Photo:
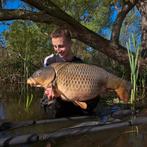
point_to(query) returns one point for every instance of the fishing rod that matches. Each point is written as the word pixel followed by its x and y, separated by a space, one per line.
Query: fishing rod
pixel 70 131
pixel 14 125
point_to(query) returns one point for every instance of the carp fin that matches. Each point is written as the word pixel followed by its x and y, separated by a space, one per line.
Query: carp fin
pixel 83 105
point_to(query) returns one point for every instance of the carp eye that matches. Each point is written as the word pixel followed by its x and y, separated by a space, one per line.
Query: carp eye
pixel 38 73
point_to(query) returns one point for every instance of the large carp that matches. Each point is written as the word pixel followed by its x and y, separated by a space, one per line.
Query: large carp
pixel 78 82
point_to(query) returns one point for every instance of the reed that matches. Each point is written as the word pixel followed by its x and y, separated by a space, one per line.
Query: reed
pixel 26 58
pixel 28 102
pixel 133 60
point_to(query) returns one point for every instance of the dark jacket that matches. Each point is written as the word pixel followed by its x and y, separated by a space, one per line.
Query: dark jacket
pixel 53 58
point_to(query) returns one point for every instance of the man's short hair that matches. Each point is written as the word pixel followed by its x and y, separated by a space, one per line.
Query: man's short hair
pixel 60 32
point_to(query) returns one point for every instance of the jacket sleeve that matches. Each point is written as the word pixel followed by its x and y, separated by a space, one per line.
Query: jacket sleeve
pixel 48 60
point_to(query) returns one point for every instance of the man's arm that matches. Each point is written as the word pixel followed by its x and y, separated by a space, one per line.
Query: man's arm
pixel 47 61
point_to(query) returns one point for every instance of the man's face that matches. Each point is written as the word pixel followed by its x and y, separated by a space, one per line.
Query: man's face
pixel 61 46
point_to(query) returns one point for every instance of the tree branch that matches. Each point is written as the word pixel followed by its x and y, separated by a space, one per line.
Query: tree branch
pixel 0 4
pixel 120 18
pixel 50 13
pixel 142 7
pixel 7 14
pixel 85 35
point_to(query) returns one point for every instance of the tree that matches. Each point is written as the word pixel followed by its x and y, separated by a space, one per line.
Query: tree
pixel 142 6
pixel 48 12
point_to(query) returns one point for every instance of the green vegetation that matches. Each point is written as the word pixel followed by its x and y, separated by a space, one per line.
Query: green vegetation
pixel 27 43
pixel 133 59
pixel 28 103
pixel 138 80
pixel 26 46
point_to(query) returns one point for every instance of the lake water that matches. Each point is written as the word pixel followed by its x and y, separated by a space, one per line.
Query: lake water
pixel 12 109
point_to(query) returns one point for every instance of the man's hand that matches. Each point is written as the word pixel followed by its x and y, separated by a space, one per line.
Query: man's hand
pixel 50 93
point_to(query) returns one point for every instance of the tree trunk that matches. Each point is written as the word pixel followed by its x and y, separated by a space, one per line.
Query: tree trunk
pixel 143 9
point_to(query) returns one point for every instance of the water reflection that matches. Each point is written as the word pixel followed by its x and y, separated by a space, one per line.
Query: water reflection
pixel 2 112
pixel 110 138
pixel 12 109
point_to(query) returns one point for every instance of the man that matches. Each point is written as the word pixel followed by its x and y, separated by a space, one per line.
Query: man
pixel 61 41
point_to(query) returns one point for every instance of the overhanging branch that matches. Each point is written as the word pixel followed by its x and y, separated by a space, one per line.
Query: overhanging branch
pixel 50 13
pixel 7 14
pixel 120 18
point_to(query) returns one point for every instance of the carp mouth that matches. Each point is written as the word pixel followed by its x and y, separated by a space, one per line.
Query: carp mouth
pixel 33 83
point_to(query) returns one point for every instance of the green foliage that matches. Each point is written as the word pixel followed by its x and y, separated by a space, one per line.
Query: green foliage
pixel 27 44
pixel 28 103
pixel 133 59
pixel 97 15
pixel 27 38
pixel 93 14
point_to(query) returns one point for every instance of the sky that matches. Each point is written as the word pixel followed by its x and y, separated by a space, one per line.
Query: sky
pixel 105 31
pixel 9 5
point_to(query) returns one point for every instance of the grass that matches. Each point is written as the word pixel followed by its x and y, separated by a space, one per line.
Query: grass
pixel 133 60
pixel 28 102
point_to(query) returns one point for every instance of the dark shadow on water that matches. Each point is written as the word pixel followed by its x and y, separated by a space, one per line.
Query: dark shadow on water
pixel 2 112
